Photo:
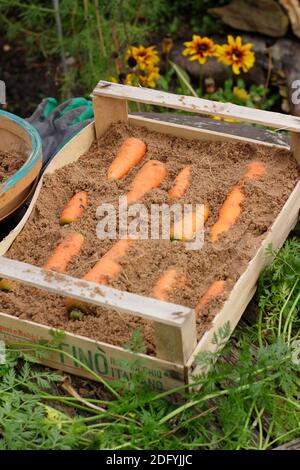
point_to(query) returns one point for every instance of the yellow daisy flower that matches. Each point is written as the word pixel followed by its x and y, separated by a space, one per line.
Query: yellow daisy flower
pixel 237 55
pixel 142 56
pixel 200 48
pixel 149 80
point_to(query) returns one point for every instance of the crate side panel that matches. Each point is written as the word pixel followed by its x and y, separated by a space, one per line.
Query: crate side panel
pixel 189 132
pixel 109 362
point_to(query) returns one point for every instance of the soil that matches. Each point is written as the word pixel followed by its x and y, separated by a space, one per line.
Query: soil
pixel 216 168
pixel 10 162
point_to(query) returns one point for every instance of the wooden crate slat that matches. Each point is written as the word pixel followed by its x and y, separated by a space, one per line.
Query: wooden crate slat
pixel 92 293
pixel 197 105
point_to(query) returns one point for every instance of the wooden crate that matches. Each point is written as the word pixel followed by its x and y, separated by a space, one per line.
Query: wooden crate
pixel 174 325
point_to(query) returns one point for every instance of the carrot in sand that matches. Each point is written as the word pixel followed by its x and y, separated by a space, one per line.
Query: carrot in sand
pixel 74 208
pixel 231 209
pixel 64 252
pixel 108 267
pixel 149 177
pixel 182 182
pixel 169 281
pixel 186 228
pixel 104 271
pixel 62 256
pixel 215 289
pixel 255 169
pixel 129 154
pixel 229 213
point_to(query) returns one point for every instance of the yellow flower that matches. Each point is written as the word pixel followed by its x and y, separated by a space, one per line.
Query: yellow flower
pixel 131 79
pixel 241 93
pixel 200 48
pixel 149 79
pixel 142 56
pixel 113 79
pixel 237 55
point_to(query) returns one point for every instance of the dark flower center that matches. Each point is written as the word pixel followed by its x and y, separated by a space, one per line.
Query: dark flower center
pixel 131 62
pixel 202 47
pixel 237 53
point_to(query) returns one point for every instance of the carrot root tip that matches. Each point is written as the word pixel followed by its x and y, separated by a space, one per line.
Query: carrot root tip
pixel 76 314
pixel 66 221
pixel 6 285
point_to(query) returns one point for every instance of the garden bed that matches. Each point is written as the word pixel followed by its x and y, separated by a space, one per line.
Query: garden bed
pixel 216 168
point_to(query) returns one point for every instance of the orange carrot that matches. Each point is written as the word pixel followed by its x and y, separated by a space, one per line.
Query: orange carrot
pixel 6 285
pixel 231 209
pixel 186 228
pixel 169 281
pixel 149 177
pixel 215 289
pixel 181 184
pixel 108 267
pixel 255 169
pixel 104 271
pixel 64 252
pixel 74 208
pixel 229 213
pixel 129 154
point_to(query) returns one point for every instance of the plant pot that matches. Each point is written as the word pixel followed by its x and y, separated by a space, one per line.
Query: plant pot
pixel 17 135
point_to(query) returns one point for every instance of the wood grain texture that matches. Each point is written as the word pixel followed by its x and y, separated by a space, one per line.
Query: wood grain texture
pixel 197 105
pixel 175 344
pixel 107 111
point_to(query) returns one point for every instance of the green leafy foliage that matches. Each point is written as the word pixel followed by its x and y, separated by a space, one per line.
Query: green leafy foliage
pixel 25 422
pixel 95 34
pixel 279 295
pixel 257 96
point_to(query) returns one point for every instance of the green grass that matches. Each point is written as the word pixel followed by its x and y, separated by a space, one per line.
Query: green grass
pixel 248 400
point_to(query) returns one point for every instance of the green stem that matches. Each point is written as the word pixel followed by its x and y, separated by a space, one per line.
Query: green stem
pixel 283 436
pixel 290 314
pixel 246 422
pixel 210 396
pixel 201 75
pixel 283 308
